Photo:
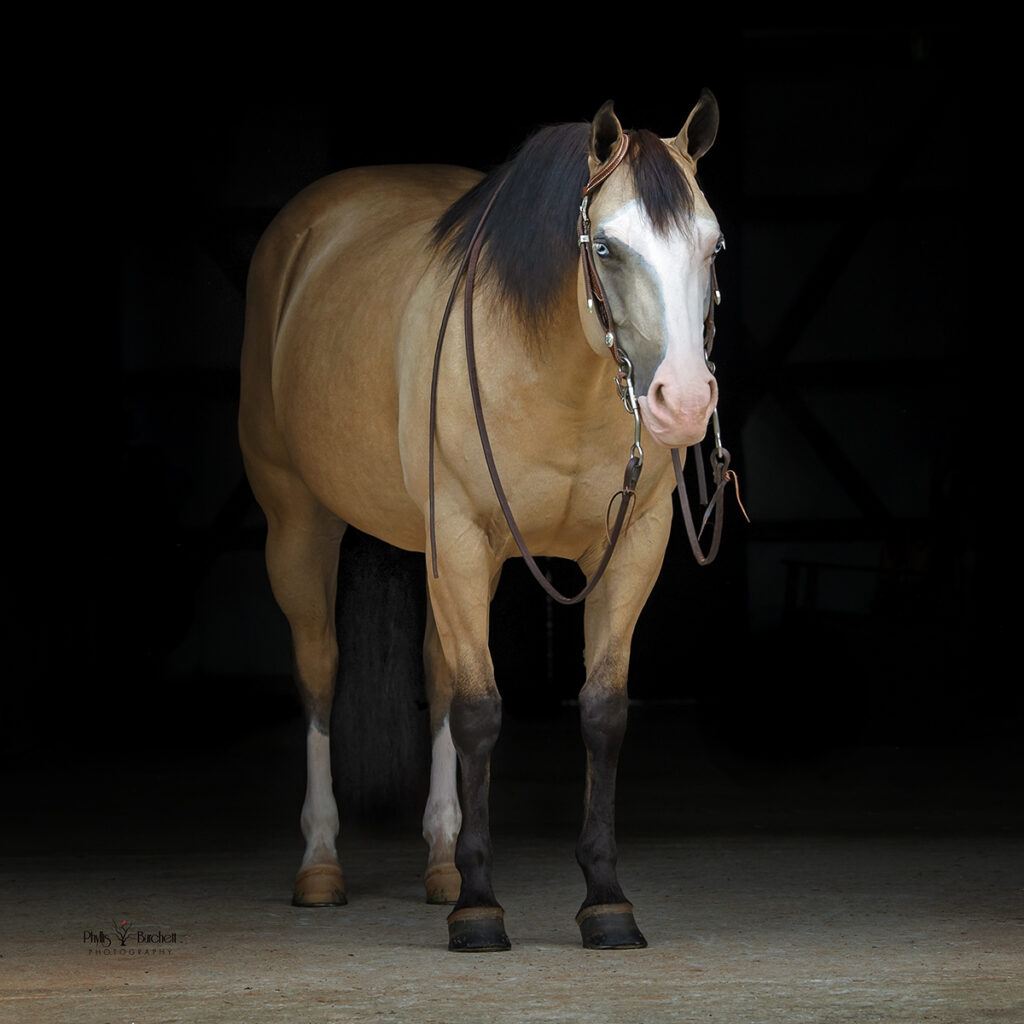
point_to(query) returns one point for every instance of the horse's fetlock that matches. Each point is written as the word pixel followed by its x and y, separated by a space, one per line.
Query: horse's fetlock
pixel 599 851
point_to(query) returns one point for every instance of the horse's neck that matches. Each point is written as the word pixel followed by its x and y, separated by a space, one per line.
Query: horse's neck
pixel 553 369
pixel 570 362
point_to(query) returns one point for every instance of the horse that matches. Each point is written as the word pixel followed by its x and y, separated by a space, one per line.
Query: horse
pixel 586 267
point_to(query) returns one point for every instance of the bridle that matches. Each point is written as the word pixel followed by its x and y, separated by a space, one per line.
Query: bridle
pixel 596 302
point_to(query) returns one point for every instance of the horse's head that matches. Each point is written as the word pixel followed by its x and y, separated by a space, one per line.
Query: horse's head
pixel 653 239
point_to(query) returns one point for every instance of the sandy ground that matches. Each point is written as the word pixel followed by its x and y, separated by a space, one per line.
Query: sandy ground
pixel 872 886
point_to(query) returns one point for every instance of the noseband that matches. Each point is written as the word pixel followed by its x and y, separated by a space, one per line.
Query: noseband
pixel 597 302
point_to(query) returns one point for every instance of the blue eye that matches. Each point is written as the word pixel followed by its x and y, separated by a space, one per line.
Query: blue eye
pixel 720 247
pixel 601 249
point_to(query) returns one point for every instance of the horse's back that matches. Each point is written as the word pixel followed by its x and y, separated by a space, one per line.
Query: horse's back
pixel 331 289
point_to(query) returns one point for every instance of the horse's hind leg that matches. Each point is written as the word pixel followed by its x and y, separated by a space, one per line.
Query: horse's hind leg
pixel 442 817
pixel 303 542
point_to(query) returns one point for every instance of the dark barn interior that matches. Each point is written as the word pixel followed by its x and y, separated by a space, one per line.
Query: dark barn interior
pixel 833 670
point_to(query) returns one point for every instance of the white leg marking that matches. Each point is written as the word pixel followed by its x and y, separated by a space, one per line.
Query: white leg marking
pixel 319 811
pixel 442 818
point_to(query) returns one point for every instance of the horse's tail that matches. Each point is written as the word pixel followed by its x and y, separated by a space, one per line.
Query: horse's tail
pixel 380 724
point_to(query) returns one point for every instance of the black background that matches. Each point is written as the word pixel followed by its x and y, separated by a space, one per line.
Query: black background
pixel 137 601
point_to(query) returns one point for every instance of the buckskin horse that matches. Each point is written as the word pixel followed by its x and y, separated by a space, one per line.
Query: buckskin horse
pixel 586 270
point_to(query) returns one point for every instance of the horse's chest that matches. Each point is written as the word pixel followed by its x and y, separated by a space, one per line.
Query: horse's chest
pixel 560 484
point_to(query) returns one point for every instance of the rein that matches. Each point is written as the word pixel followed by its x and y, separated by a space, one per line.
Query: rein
pixel 719 460
pixel 624 382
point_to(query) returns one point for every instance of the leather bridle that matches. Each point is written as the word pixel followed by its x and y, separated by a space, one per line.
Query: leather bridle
pixel 597 302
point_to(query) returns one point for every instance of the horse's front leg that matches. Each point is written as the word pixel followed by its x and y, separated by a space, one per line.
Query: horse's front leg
pixel 477 923
pixel 606 917
pixel 460 601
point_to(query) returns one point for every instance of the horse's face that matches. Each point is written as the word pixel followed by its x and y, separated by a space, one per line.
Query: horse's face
pixel 658 287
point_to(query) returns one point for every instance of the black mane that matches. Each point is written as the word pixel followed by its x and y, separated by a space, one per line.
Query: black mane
pixel 530 243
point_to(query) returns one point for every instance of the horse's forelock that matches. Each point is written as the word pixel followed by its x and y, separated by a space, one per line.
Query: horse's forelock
pixel 659 181
pixel 530 246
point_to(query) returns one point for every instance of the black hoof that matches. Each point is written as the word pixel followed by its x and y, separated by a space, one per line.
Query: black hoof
pixel 610 926
pixel 477 930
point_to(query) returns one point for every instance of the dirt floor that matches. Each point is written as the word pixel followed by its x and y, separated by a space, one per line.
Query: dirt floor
pixel 880 885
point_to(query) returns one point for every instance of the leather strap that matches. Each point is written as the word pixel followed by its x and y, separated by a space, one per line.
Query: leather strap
pixel 474 245
pixel 628 485
pixel 632 473
pixel 596 298
pixel 716 504
pixel 591 281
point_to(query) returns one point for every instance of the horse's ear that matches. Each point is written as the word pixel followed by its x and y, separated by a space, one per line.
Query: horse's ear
pixel 605 135
pixel 698 134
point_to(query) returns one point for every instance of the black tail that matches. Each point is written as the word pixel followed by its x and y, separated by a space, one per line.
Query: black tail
pixel 380 726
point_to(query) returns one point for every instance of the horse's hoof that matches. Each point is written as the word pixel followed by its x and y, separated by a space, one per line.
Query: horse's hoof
pixel 443 883
pixel 477 930
pixel 610 926
pixel 319 885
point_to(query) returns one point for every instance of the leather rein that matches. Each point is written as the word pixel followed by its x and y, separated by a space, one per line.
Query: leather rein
pixel 597 302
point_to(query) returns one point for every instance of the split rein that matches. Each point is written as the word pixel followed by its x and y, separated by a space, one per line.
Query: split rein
pixel 624 382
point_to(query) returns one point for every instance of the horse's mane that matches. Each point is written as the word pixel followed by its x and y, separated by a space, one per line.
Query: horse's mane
pixel 529 240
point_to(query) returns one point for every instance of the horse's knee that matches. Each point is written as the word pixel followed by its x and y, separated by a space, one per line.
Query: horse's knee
pixel 475 724
pixel 603 713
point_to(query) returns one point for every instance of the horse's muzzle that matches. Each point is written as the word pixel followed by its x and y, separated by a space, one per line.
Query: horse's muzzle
pixel 677 417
